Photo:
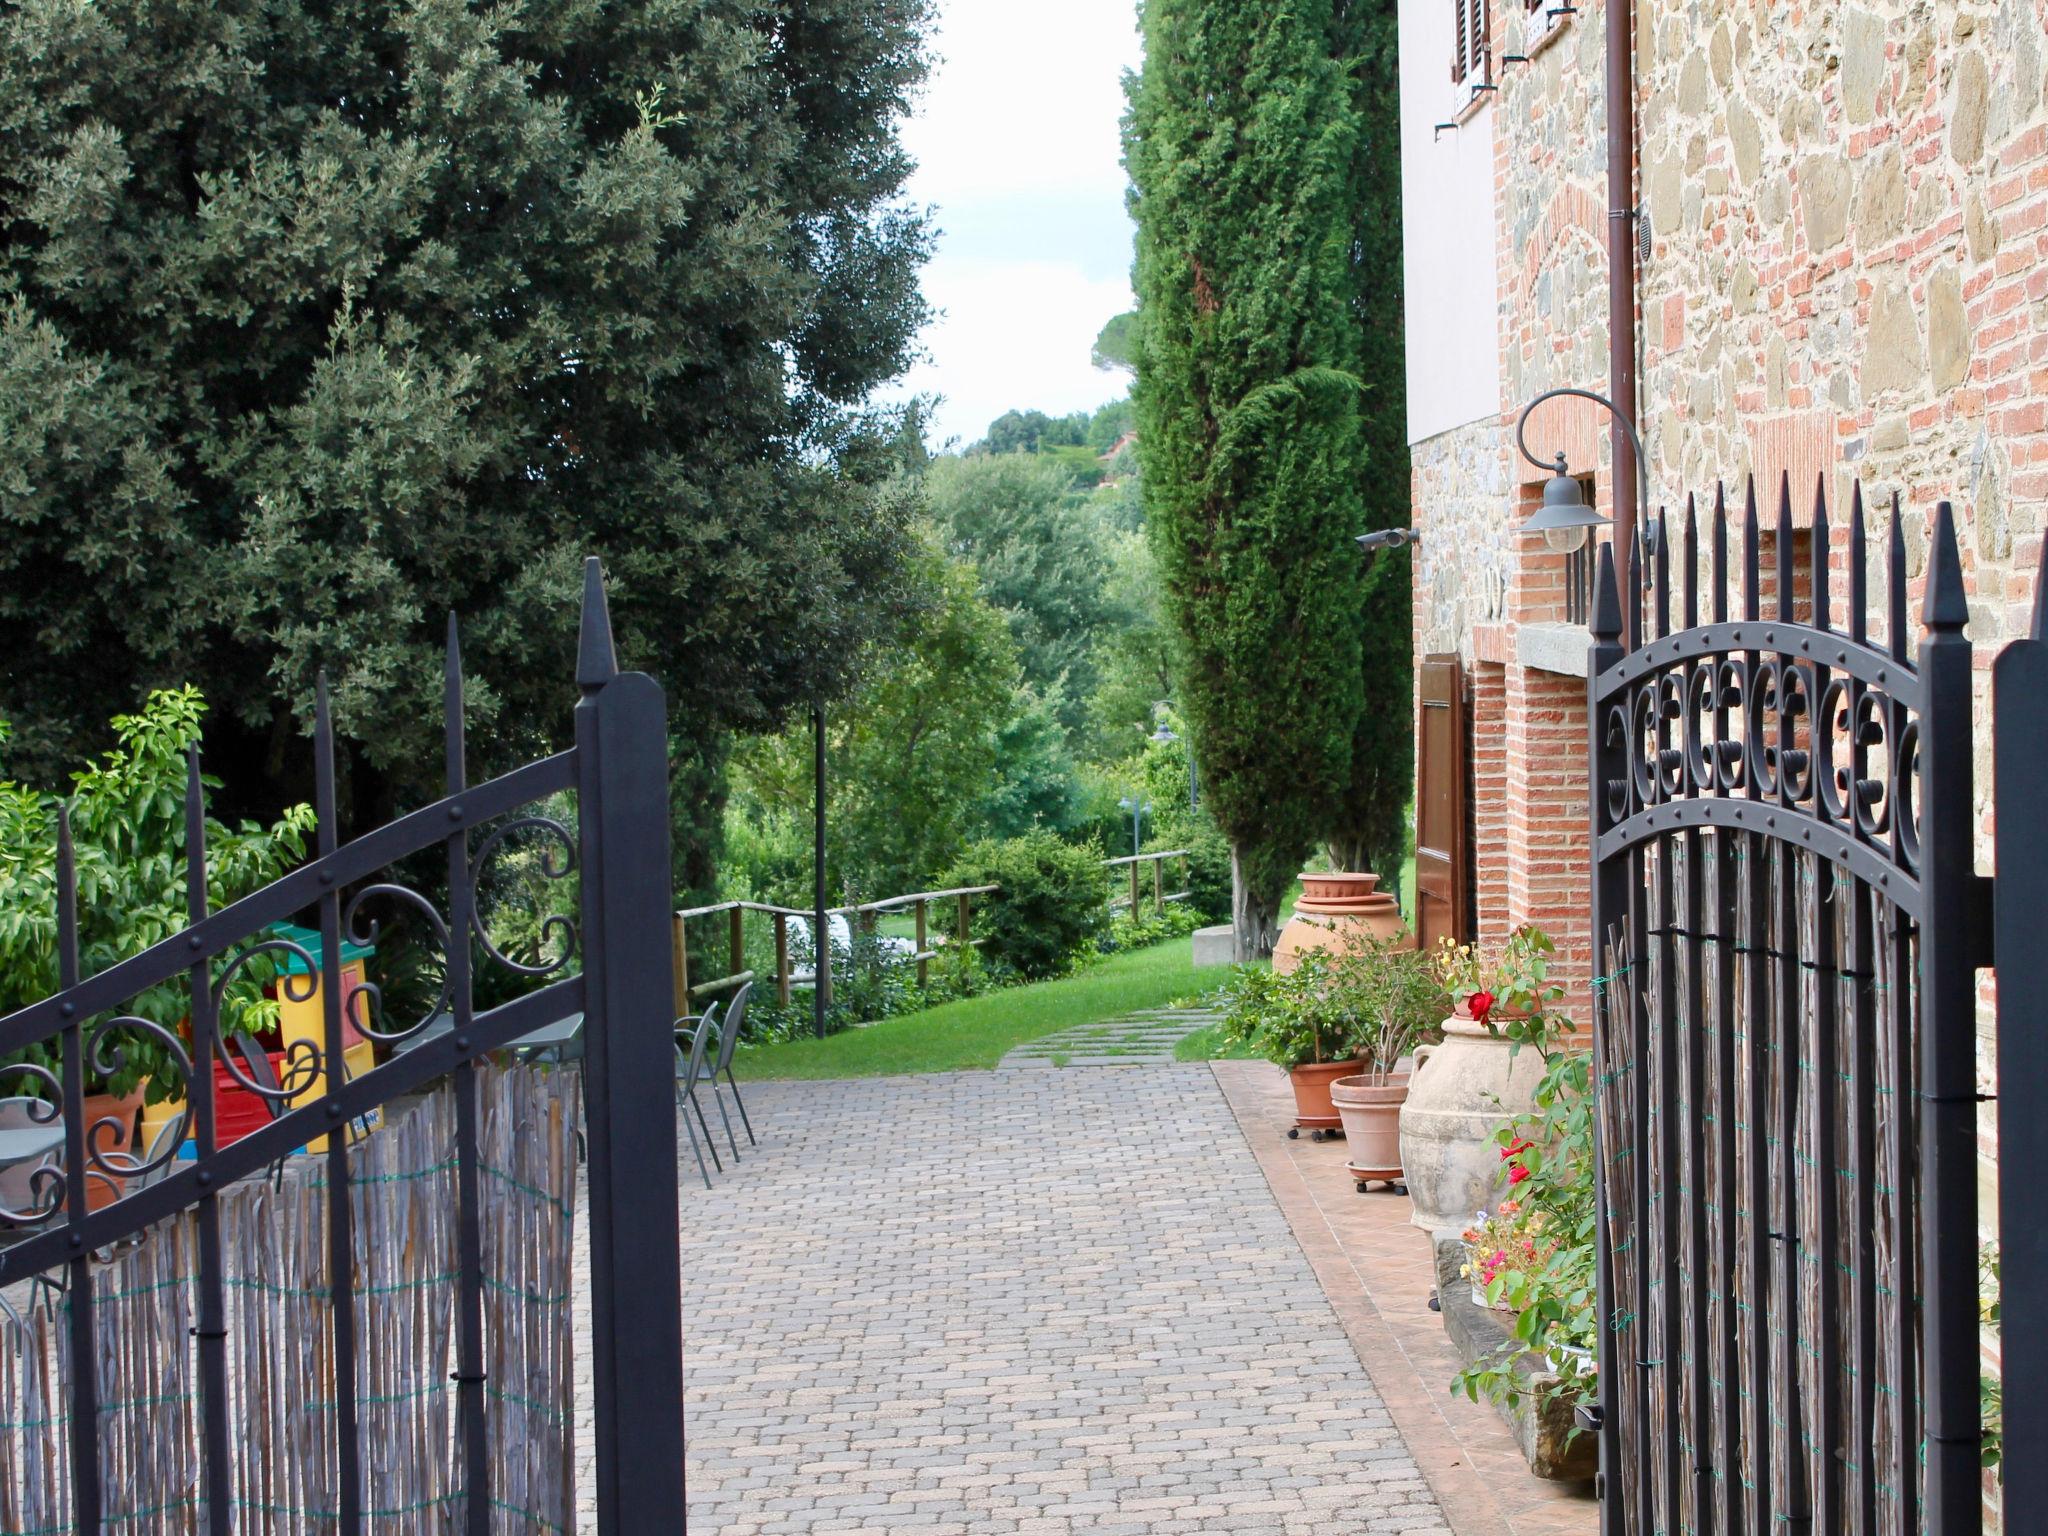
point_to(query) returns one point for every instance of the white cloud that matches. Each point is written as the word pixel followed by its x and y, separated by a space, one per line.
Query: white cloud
pixel 1017 143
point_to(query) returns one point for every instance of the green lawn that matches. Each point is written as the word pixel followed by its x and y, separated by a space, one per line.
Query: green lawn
pixel 975 1033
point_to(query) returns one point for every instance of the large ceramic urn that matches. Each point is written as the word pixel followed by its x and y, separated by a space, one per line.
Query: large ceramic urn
pixel 1333 907
pixel 1461 1093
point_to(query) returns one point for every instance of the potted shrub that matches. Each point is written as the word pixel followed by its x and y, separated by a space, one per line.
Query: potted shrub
pixel 1502 1029
pixel 1396 1000
pixel 127 815
pixel 1298 1022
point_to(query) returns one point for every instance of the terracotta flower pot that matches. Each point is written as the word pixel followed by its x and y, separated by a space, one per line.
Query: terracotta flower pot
pixel 1333 907
pixel 1371 1112
pixel 1461 1093
pixel 1313 1110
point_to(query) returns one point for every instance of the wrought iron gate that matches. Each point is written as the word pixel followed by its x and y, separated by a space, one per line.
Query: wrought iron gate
pixel 617 770
pixel 1787 922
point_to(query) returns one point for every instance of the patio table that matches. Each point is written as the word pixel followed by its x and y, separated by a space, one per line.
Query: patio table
pixel 21 1142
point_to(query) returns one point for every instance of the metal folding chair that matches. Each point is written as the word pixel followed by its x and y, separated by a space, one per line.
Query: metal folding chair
pixel 730 1028
pixel 709 1030
pixel 693 1037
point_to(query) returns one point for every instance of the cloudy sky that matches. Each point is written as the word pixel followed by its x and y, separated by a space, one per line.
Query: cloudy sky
pixel 1016 143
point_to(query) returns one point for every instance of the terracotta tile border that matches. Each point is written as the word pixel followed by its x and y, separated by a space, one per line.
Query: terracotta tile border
pixel 1377 1271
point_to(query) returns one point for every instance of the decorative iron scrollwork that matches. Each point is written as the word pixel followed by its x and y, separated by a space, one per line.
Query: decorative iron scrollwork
pixel 557 862
pixel 365 1005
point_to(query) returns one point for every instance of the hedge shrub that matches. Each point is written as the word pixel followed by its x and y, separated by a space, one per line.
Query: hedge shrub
pixel 1052 906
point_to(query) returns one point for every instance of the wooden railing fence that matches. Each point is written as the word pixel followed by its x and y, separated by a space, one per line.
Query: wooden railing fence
pixel 866 914
pixel 1160 895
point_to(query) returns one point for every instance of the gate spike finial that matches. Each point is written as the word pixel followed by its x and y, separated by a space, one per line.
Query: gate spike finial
pixel 451 706
pixel 1692 561
pixel 195 836
pixel 1859 567
pixel 596 662
pixel 1822 557
pixel 1606 626
pixel 67 899
pixel 1786 606
pixel 326 829
pixel 1947 608
pixel 1720 552
pixel 1895 585
pixel 1752 579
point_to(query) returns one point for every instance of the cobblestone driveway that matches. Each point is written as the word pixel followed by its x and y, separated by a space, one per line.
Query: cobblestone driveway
pixel 1030 1302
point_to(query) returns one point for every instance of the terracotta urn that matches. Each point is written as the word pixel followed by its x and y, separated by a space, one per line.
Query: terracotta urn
pixel 1462 1091
pixel 1371 1111
pixel 1313 1110
pixel 1330 909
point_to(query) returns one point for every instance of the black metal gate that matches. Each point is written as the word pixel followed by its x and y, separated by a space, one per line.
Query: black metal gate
pixel 617 770
pixel 1787 922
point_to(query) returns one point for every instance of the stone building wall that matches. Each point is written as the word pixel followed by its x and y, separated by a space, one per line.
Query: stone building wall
pixel 1848 281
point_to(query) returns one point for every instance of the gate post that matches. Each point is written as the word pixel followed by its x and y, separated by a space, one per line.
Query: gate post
pixel 2019 682
pixel 1609 899
pixel 629 1070
pixel 1948 1036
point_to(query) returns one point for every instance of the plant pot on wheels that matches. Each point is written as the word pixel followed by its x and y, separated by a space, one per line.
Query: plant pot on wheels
pixel 1313 1111
pixel 1462 1091
pixel 1370 1109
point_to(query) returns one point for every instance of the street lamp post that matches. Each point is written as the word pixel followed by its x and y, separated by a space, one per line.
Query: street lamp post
pixel 1137 806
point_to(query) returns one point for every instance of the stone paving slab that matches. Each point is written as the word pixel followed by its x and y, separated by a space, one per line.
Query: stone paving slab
pixel 1147 1036
pixel 1044 1304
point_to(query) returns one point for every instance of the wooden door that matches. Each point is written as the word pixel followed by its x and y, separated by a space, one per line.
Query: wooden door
pixel 1443 864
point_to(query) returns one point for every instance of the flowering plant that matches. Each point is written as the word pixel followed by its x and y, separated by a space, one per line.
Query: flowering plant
pixel 1536 1255
pixel 1508 990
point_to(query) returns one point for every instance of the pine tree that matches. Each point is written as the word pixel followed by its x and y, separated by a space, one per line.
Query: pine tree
pixel 1240 144
pixel 321 317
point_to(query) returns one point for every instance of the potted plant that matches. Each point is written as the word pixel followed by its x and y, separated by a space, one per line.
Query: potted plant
pixel 1503 1027
pixel 127 814
pixel 1534 1259
pixel 1333 911
pixel 1296 1021
pixel 1396 1001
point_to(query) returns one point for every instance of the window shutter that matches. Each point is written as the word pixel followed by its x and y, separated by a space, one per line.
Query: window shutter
pixel 1458 46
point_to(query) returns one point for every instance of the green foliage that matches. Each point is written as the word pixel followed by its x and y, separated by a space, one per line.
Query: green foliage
pixel 1148 926
pixel 1033 784
pixel 1116 344
pixel 868 985
pixel 1370 826
pixel 1029 431
pixel 1508 988
pixel 1208 882
pixel 1542 1244
pixel 1239 145
pixel 1134 663
pixel 1049 910
pixel 910 756
pixel 1364 998
pixel 1037 554
pixel 323 318
pixel 128 835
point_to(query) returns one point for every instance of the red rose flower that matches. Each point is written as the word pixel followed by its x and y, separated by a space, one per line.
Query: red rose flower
pixel 1518 1173
pixel 1479 1004
pixel 1516 1149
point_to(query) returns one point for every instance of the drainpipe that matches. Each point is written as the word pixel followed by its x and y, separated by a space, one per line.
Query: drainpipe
pixel 1621 269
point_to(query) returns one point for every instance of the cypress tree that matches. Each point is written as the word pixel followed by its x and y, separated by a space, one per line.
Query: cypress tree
pixel 1370 827
pixel 1240 143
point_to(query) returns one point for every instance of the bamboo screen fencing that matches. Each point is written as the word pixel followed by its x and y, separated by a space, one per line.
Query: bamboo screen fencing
pixel 281 1402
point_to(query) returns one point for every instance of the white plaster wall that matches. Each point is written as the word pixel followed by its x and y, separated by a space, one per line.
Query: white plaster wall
pixel 1447 235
